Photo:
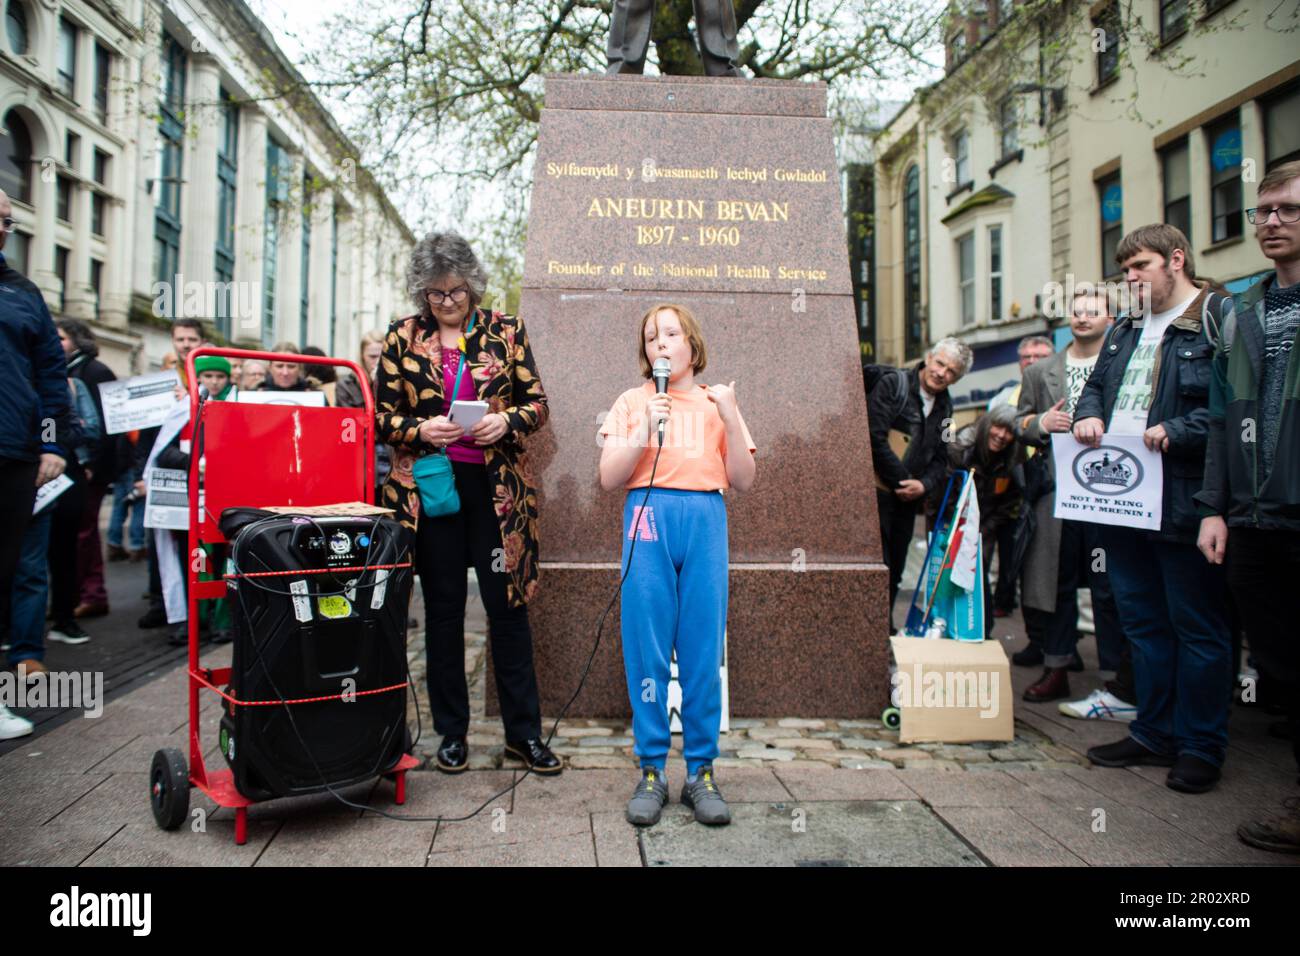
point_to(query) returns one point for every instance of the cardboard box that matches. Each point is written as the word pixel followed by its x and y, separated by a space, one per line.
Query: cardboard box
pixel 952 691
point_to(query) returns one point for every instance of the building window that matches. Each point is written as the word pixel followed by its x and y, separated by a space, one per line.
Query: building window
pixel 913 333
pixel 61 270
pixel 16 251
pixel 100 167
pixel 957 45
pixel 961 156
pixel 995 273
pixel 1177 177
pixel 171 135
pixel 1173 19
pixel 1108 54
pixel 1009 126
pixel 63 198
pixel 979 12
pixel 71 150
pixel 103 68
pixel 305 267
pixel 227 176
pixel 275 187
pixel 16 159
pixel 16 27
pixel 97 204
pixel 966 277
pixel 67 57
pixel 1005 10
pixel 1110 199
pixel 1224 144
pixel 1282 127
pixel 97 281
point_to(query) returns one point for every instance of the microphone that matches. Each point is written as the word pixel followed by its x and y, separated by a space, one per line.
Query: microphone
pixel 659 372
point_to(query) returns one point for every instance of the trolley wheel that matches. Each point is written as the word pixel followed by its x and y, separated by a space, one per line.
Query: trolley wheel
pixel 891 718
pixel 169 788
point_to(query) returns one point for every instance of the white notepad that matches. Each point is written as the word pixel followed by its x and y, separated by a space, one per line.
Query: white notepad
pixel 467 414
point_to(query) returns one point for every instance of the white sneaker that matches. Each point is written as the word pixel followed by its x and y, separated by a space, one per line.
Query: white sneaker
pixel 1101 704
pixel 11 725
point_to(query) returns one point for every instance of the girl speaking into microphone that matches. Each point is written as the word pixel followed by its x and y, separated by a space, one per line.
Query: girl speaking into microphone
pixel 674 596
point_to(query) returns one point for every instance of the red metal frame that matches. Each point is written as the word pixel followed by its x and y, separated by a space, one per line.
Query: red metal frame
pixel 314 436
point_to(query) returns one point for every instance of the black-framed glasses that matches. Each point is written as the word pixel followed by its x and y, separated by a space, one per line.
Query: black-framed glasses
pixel 457 296
pixel 1287 212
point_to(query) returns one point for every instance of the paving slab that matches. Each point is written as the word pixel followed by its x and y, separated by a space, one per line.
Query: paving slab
pixel 583 791
pixel 122 798
pixel 618 843
pixel 348 841
pixel 832 784
pixel 430 793
pixel 1006 838
pixel 143 844
pixel 493 828
pixel 53 844
pixel 576 849
pixel 832 833
pixel 78 755
pixel 981 789
pixel 31 799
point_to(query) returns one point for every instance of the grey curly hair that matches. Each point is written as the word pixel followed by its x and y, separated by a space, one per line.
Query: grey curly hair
pixel 436 256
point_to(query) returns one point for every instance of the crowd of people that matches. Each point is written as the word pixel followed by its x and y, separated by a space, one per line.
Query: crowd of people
pixel 1208 381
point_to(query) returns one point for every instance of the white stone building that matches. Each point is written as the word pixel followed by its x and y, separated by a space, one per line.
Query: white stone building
pixel 165 159
pixel 1054 132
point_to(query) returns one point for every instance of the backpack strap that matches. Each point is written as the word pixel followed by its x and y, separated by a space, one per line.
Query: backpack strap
pixel 1212 318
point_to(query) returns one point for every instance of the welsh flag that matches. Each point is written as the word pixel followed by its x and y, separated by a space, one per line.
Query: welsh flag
pixel 966 548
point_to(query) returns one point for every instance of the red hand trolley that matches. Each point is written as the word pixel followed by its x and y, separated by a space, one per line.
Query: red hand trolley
pixel 257 455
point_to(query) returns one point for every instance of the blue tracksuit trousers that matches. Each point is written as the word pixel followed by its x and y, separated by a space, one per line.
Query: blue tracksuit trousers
pixel 675 598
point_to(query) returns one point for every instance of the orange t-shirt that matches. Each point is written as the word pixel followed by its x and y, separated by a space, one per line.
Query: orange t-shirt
pixel 695 439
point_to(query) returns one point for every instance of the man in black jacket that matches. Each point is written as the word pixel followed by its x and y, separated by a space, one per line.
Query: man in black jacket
pixel 909 412
pixel 1152 379
pixel 36 437
pixel 1251 496
pixel 101 471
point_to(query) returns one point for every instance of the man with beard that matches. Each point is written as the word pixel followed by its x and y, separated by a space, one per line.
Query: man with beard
pixel 1060 559
pixel 1152 379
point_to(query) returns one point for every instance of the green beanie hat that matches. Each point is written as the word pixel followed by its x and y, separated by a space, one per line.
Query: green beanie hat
pixel 212 363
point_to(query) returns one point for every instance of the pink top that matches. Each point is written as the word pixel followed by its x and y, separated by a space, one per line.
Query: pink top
pixel 464 450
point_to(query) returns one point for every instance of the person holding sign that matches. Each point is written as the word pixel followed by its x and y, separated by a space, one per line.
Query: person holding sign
pixel 1061 557
pixel 674 596
pixel 1152 379
pixel 451 354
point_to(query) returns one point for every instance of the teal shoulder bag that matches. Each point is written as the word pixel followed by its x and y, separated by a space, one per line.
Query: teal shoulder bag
pixel 433 474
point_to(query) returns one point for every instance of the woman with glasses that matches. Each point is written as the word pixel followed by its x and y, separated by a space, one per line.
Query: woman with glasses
pixel 495 528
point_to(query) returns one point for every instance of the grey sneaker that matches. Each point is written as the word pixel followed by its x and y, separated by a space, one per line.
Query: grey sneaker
pixel 702 796
pixel 649 799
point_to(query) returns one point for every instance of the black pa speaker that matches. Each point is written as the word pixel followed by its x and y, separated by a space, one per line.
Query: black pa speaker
pixel 332 625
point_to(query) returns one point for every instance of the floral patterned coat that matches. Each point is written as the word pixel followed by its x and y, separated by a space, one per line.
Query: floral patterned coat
pixel 410 390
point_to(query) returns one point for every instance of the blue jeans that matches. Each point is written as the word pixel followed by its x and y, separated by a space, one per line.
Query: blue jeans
pixel 29 594
pixel 121 488
pixel 1174 610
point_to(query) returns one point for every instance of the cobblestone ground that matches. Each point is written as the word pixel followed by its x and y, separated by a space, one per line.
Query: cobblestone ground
pixel 788 742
